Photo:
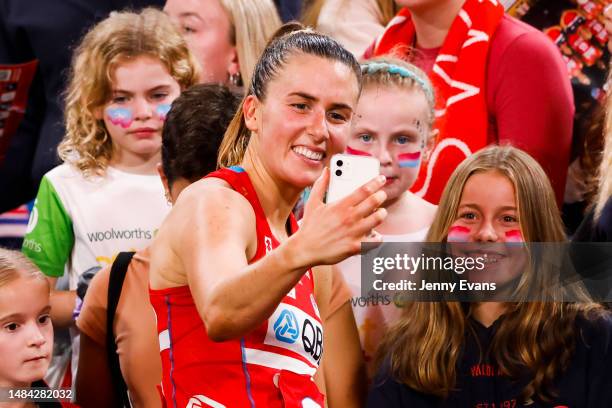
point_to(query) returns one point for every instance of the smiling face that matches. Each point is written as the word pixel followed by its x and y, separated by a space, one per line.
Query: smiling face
pixel 488 213
pixel 391 125
pixel 304 119
pixel 26 333
pixel 142 91
pixel 207 30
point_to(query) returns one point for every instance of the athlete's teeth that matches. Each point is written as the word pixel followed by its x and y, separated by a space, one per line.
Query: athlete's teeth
pixel 308 153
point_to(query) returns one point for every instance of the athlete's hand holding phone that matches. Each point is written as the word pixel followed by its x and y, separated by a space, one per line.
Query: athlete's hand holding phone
pixel 332 231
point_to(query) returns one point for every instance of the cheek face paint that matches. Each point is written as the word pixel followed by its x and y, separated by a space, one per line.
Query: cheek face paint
pixel 162 110
pixel 120 116
pixel 410 160
pixel 514 236
pixel 458 233
pixel 355 152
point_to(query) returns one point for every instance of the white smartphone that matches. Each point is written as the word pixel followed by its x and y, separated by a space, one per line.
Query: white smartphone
pixel 348 173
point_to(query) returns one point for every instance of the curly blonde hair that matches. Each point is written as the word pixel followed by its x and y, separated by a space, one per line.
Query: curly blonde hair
pixel 122 36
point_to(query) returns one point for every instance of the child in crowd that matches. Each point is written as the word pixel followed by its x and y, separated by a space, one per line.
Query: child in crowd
pixel 485 354
pixel 106 196
pixel 192 134
pixel 26 333
pixel 393 124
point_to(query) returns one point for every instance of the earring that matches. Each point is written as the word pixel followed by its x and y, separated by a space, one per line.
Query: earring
pixel 168 199
pixel 236 79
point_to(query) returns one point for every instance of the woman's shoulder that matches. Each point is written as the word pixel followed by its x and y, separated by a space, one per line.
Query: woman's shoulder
pixel 212 197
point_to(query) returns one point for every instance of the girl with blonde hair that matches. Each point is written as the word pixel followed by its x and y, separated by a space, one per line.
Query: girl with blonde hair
pixel 226 36
pixel 26 333
pixel 537 354
pixel 393 123
pixel 106 196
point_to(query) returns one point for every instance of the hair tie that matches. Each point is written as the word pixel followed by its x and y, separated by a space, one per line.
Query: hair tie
pixel 373 67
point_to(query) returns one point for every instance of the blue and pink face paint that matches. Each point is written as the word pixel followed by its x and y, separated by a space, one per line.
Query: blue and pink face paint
pixel 162 111
pixel 120 116
pixel 458 233
pixel 514 237
pixel 124 117
pixel 409 160
pixel 405 160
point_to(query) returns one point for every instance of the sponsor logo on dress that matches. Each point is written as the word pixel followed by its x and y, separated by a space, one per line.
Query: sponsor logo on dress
pixel 295 330
pixel 286 327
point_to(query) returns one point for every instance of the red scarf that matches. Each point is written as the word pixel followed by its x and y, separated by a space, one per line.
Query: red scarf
pixel 458 77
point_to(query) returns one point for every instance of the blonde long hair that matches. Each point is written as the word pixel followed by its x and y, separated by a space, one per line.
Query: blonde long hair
pixel 121 36
pixel 425 345
pixel 253 24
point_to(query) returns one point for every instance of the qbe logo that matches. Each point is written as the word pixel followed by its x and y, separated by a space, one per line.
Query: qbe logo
pixel 286 328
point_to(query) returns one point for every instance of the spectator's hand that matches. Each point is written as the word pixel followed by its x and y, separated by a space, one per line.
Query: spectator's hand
pixel 85 280
pixel 82 285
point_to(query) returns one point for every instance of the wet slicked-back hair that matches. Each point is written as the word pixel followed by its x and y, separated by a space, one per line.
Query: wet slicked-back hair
pixel 291 39
pixel 194 129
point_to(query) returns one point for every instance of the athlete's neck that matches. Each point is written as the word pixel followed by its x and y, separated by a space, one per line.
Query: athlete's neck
pixel 136 164
pixel 276 198
pixel 433 21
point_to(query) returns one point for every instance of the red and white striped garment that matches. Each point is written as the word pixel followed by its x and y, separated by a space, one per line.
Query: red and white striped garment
pixel 271 366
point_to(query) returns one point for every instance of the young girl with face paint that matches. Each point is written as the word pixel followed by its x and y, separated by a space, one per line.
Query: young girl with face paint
pixel 485 354
pixel 106 196
pixel 26 333
pixel 393 124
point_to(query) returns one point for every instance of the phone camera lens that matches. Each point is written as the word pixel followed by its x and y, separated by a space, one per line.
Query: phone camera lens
pixel 339 163
pixel 338 173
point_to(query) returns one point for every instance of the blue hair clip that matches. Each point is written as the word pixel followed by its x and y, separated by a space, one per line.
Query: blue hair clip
pixel 373 67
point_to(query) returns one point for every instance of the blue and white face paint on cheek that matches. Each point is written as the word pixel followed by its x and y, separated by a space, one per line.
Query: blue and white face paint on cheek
pixel 120 116
pixel 162 111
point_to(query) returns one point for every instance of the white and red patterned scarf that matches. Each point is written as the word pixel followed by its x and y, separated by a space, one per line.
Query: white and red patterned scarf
pixel 458 77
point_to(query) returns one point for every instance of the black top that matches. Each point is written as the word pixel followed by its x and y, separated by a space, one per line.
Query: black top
pixel 601 231
pixel 586 383
pixel 47 404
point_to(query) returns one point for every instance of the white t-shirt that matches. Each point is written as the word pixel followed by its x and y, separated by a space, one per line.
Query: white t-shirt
pixel 78 223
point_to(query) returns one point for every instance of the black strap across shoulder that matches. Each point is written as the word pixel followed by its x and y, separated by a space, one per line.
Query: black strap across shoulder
pixel 115 284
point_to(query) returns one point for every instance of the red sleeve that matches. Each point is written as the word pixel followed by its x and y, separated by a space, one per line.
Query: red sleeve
pixel 533 106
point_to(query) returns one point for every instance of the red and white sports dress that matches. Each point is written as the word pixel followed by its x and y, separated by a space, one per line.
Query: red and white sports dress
pixel 272 366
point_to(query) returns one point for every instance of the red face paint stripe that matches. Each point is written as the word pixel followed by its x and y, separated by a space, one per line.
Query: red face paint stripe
pixel 355 152
pixel 409 156
pixel 514 235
